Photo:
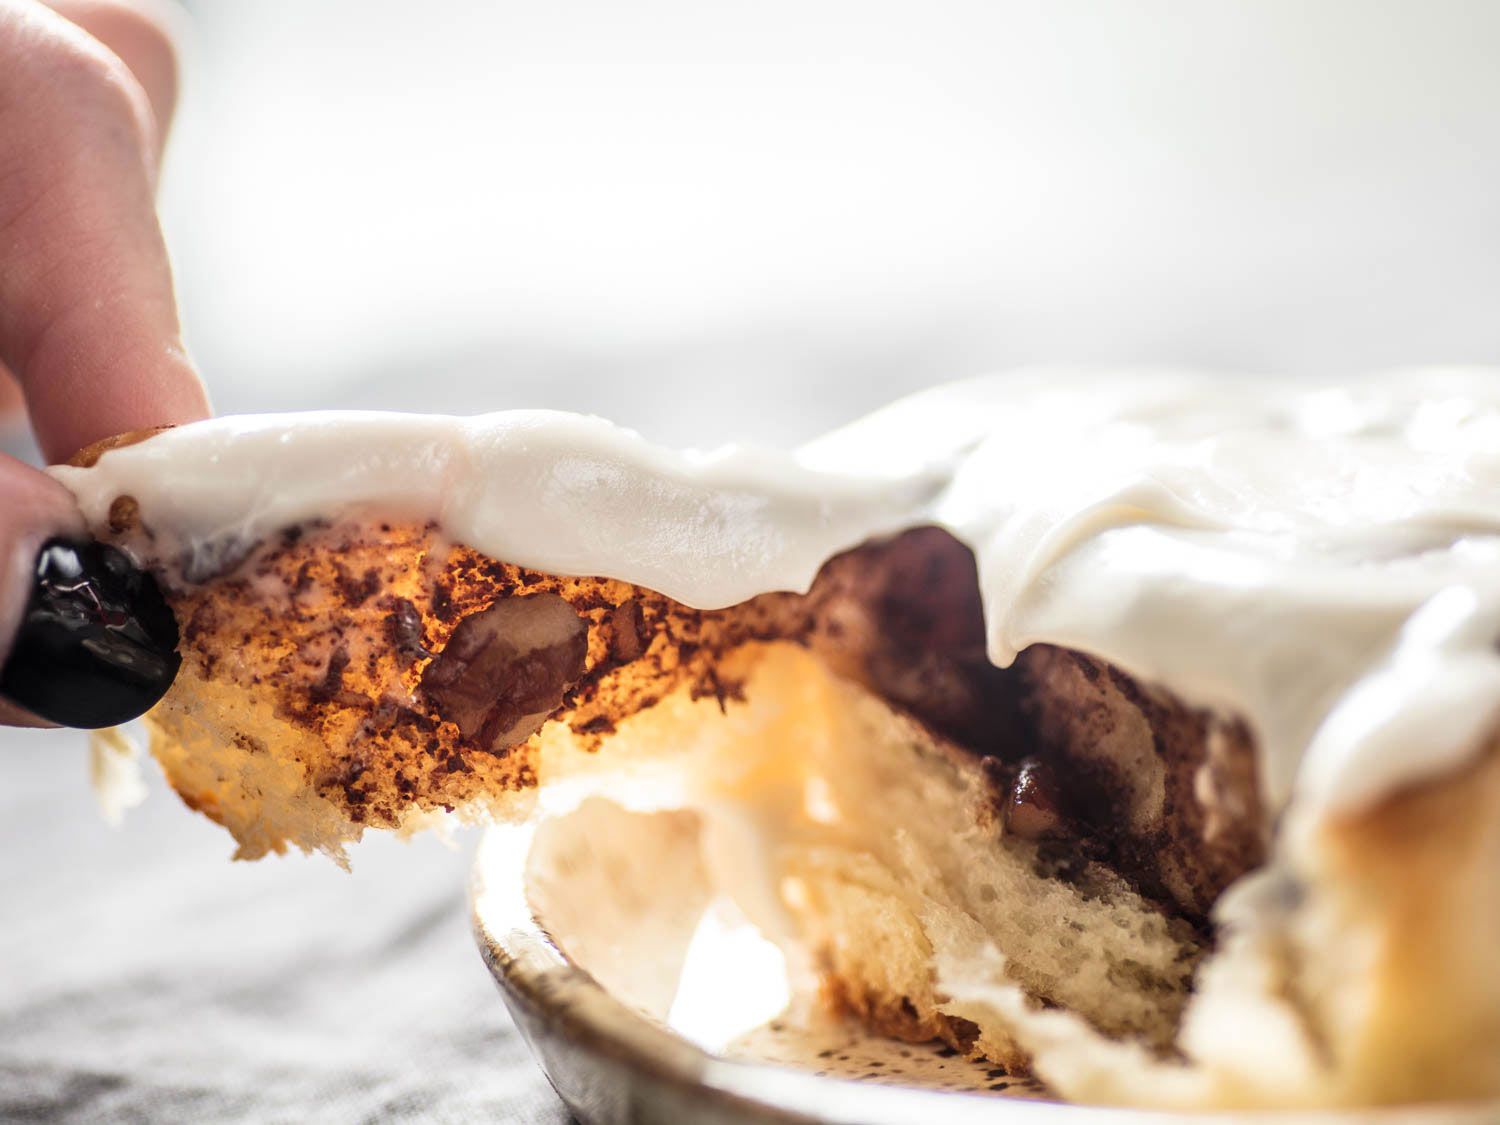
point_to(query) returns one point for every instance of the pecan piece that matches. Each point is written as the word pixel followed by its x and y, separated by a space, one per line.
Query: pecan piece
pixel 505 669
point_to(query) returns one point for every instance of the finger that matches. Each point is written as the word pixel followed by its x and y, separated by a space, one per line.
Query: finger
pixel 13 716
pixel 88 319
pixel 11 402
pixel 142 35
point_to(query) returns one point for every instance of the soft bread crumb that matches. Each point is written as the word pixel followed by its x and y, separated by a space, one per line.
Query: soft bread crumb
pixel 923 870
pixel 897 879
pixel 115 773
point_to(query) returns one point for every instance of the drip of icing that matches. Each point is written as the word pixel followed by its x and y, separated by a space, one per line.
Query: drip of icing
pixel 1320 559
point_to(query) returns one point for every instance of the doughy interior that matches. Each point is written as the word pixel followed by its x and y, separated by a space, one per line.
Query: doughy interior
pixel 846 828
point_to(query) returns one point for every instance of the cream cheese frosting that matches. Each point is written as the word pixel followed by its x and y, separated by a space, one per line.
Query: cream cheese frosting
pixel 1320 559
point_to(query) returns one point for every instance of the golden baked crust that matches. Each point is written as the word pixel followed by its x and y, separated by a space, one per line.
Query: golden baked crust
pixel 303 678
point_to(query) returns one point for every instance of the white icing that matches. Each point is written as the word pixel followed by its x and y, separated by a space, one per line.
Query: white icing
pixel 1323 560
pixel 558 492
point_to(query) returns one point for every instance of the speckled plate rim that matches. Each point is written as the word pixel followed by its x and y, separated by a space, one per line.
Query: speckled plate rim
pixel 612 1065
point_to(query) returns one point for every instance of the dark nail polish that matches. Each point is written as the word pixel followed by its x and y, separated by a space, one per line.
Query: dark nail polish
pixel 98 643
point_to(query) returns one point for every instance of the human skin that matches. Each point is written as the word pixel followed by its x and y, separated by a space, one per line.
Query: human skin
pixel 90 344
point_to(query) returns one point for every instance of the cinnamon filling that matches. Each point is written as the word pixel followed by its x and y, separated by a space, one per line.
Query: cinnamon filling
pixel 1082 757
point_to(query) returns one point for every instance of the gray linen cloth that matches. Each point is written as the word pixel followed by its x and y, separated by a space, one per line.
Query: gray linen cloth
pixel 144 977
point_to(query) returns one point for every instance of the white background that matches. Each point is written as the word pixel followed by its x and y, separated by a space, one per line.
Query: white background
pixel 714 220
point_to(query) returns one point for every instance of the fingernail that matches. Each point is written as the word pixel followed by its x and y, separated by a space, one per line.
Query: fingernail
pixel 97 644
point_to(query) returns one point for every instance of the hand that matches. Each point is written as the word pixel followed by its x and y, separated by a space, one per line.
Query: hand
pixel 89 334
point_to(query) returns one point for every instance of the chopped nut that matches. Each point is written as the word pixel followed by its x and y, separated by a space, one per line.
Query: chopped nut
pixel 505 669
pixel 405 625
